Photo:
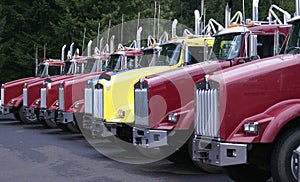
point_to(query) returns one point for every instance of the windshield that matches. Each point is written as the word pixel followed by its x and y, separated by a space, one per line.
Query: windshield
pixel 68 68
pixel 148 58
pixel 114 63
pixel 91 65
pixel 169 54
pixel 53 70
pixel 293 44
pixel 40 71
pixel 226 47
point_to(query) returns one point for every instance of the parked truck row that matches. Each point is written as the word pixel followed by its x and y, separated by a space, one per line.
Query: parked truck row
pixel 221 98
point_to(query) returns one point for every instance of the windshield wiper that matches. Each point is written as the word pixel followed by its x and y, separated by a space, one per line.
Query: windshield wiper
pixel 294 48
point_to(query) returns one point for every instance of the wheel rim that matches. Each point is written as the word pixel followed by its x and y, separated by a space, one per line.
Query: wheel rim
pixel 28 118
pixel 295 164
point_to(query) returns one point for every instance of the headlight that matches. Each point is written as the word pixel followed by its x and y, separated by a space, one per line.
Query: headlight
pixel 251 127
pixel 76 105
pixel 12 101
pixel 37 102
pixel 173 117
pixel 121 113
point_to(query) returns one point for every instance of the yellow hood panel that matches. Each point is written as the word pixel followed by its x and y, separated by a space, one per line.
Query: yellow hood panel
pixel 118 93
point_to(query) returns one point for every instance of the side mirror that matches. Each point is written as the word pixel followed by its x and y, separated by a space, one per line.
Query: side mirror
pixel 253 46
pixel 276 42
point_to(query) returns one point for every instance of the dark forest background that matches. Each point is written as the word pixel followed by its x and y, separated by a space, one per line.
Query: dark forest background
pixel 28 23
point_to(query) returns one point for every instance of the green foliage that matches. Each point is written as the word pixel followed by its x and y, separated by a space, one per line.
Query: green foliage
pixel 28 23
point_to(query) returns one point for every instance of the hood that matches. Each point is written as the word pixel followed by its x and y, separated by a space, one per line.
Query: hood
pixel 257 67
pixel 119 93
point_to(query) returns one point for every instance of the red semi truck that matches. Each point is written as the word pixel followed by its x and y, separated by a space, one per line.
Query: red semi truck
pixel 71 92
pixel 172 124
pixel 32 94
pixel 247 119
pixel 12 94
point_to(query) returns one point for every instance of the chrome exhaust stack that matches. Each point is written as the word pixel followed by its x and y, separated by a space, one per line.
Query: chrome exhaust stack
pixel 197 22
pixel 112 44
pixel 228 14
pixel 297 8
pixel 174 24
pixel 63 52
pixel 255 10
pixel 138 38
pixel 89 48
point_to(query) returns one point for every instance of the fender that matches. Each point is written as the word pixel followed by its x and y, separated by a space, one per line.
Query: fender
pixel 270 122
pixel 35 106
pixel 185 116
pixel 54 106
pixel 18 101
pixel 79 108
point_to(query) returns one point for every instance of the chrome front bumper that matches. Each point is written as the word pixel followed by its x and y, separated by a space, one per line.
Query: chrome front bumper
pixel 47 114
pixel 99 128
pixel 29 111
pixel 65 117
pixel 149 138
pixel 219 153
pixel 87 121
pixel 5 109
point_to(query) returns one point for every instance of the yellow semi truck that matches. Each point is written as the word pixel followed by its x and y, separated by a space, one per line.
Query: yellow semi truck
pixel 114 94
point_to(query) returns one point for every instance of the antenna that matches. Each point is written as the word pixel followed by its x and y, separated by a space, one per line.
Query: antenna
pixel 202 18
pixel 244 10
pixel 154 18
pixel 45 50
pixel 98 35
pixel 84 31
pixel 36 58
pixel 158 17
pixel 101 43
pixel 109 24
pixel 122 26
pixel 138 23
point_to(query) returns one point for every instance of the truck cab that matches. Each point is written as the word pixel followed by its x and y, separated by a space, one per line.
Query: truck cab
pixel 247 119
pixel 117 113
pixel 11 92
pixel 171 126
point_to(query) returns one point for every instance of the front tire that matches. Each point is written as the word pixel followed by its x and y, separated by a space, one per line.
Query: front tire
pixel 50 123
pixel 247 173
pixel 73 128
pixel 17 114
pixel 283 165
pixel 25 119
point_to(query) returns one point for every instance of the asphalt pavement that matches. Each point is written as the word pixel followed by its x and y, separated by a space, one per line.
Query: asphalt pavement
pixel 35 153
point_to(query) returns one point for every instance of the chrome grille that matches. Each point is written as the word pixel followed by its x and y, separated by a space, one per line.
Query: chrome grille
pixel 2 95
pixel 141 106
pixel 98 103
pixel 25 97
pixel 88 101
pixel 61 99
pixel 43 97
pixel 207 112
